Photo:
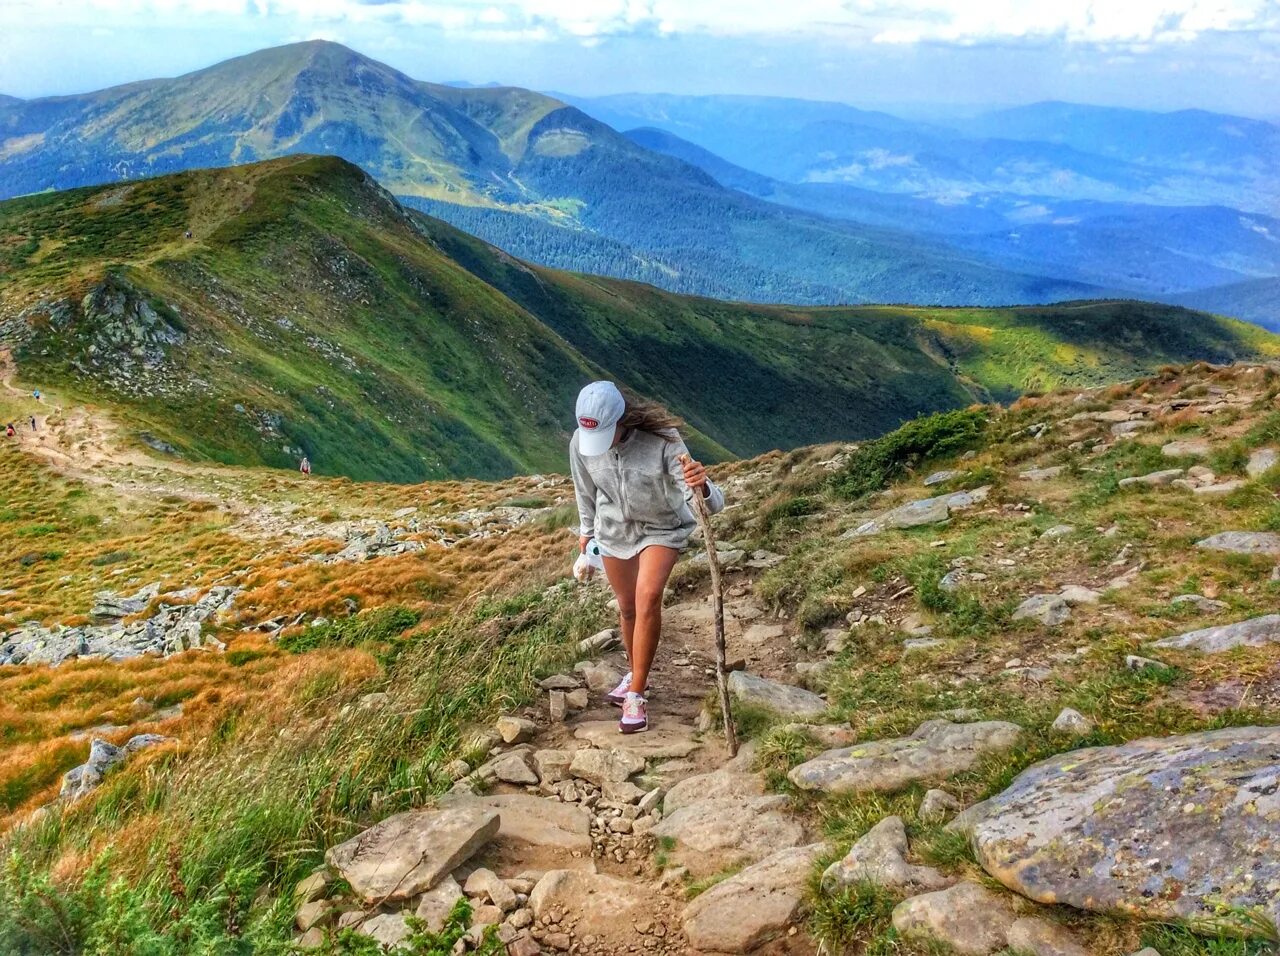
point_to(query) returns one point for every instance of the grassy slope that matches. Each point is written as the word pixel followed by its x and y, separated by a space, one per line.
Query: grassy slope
pixel 396 347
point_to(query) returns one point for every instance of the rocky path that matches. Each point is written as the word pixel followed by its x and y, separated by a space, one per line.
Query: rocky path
pixel 570 837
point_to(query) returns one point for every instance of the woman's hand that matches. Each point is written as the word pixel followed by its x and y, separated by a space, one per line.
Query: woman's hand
pixel 695 475
pixel 583 541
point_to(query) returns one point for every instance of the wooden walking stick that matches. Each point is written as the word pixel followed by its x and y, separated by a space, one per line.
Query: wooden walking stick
pixel 717 598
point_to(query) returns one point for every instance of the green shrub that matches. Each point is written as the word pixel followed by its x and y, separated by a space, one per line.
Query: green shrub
pixel 381 625
pixel 796 507
pixel 879 462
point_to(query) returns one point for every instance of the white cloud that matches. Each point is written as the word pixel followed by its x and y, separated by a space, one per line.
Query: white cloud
pixel 963 22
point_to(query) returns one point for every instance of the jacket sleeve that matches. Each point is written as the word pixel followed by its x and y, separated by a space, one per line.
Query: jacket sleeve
pixel 714 498
pixel 584 490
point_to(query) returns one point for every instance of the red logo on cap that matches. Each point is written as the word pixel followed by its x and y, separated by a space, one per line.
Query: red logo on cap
pixel 588 423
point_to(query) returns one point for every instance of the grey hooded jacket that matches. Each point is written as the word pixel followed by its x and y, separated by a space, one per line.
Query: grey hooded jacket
pixel 634 495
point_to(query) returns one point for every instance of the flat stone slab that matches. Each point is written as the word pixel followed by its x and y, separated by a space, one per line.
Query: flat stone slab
pixel 604 906
pixel 724 782
pixel 1262 460
pixel 937 750
pixel 742 913
pixel 1186 448
pixel 1243 542
pixel 776 696
pixel 1154 479
pixel 917 513
pixel 524 818
pixel 664 740
pixel 709 831
pixel 409 853
pixel 1160 828
pixel 1255 632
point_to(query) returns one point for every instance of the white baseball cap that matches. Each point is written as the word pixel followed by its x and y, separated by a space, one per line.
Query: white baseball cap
pixel 600 406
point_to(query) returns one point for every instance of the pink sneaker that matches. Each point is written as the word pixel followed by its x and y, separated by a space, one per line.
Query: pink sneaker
pixel 635 719
pixel 619 693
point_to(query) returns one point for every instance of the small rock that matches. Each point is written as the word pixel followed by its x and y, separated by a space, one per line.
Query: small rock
pixel 1243 542
pixel 599 642
pixel 601 766
pixel 880 857
pixel 937 806
pixel 1049 609
pixel 1040 937
pixel 486 884
pixel 1199 602
pixel 558 706
pixel 559 682
pixel 1187 448
pixel 516 730
pixel 514 768
pixel 1057 531
pixel 782 698
pixel 1136 663
pixel 437 903
pixel 552 766
pixel 389 929
pixel 577 699
pixel 1072 722
pixel 1041 474
pixel 1261 460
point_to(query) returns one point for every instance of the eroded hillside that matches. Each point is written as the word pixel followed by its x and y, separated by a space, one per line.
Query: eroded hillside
pixel 916 622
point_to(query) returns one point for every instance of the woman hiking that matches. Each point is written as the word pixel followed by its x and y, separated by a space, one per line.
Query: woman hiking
pixel 634 481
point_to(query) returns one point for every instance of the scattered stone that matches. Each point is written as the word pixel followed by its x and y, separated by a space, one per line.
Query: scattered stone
pixel 880 857
pixel 1243 542
pixel 940 477
pixel 1057 531
pixel 313 887
pixel 552 766
pixel 558 706
pixel 1072 722
pixel 742 913
pixel 761 633
pixel 1221 488
pixel 1049 609
pixel 516 768
pixel 1125 429
pixel 600 678
pixel 516 730
pixel 559 682
pixel 1261 460
pixel 936 750
pixel 709 786
pixel 1041 474
pixel 1153 479
pixel 1161 828
pixel 937 806
pixel 1255 632
pixel 409 853
pixel 969 918
pixel 600 642
pixel 917 513
pixel 486 884
pixel 437 903
pixel 782 698
pixel 1040 937
pixel 913 644
pixel 716 830
pixel 389 929
pixel 1186 448
pixel 103 756
pixel 315 913
pixel 577 699
pixel 1135 663
pixel 1199 602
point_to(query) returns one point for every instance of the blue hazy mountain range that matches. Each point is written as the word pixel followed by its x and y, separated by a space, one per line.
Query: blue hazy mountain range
pixel 753 198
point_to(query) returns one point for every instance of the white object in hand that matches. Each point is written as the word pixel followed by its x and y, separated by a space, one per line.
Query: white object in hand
pixel 589 562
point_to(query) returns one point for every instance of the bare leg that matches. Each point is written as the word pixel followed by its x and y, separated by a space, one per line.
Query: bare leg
pixel 655 564
pixel 622 578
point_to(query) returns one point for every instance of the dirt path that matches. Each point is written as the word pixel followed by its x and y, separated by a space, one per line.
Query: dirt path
pixel 629 893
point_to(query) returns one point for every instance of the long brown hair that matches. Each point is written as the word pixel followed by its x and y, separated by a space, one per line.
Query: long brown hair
pixel 647 416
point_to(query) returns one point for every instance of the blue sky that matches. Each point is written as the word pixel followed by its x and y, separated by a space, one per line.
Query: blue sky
pixel 1159 54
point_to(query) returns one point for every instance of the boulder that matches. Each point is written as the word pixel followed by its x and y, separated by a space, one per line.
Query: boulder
pixel 1200 603
pixel 515 768
pixel 940 477
pixel 552 766
pixel 742 913
pixel 1255 632
pixel 713 832
pixel 103 756
pixel 1243 542
pixel 880 857
pixel 937 750
pixel 970 919
pixel 409 853
pixel 1162 828
pixel 775 696
pixel 916 513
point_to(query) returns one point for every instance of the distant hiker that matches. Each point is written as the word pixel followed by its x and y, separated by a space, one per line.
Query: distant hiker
pixel 305 465
pixel 36 394
pixel 33 423
pixel 188 234
pixel 634 498
pixel 11 431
